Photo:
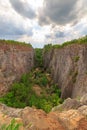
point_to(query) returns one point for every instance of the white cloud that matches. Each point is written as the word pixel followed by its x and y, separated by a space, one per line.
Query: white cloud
pixel 63 20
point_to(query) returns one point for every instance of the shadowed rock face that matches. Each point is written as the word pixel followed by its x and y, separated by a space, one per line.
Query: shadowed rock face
pixel 14 61
pixel 68 66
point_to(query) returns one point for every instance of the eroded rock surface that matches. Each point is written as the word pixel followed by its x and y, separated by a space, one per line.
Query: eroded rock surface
pixel 68 104
pixel 14 61
pixel 35 119
pixel 68 66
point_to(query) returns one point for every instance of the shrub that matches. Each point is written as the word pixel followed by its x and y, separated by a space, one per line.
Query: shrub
pixel 22 94
pixel 38 57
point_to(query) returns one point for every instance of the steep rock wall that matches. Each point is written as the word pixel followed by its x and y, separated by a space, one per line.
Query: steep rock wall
pixel 14 61
pixel 68 66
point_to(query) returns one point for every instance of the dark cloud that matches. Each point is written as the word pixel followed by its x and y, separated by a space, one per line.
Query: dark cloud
pixel 59 34
pixel 48 36
pixel 60 12
pixel 23 8
pixel 10 28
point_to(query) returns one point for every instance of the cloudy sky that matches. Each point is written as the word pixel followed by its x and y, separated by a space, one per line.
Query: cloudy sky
pixel 41 22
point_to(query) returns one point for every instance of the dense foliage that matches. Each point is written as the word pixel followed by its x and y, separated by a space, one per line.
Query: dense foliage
pixel 38 57
pixel 22 94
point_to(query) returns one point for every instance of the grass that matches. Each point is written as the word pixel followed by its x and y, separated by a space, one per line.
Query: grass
pixel 12 126
pixel 82 40
pixel 38 57
pixel 12 42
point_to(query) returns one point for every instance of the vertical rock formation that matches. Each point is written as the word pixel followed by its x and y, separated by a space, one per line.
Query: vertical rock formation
pixel 68 66
pixel 14 61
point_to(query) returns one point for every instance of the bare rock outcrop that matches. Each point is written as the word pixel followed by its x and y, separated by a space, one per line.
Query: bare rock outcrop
pixel 84 99
pixel 68 66
pixel 39 120
pixel 68 104
pixel 14 61
pixel 71 120
pixel 35 119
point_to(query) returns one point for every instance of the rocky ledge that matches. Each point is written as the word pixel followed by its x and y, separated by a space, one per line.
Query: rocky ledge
pixel 71 115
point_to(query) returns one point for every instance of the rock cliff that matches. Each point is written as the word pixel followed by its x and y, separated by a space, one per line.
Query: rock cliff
pixel 14 61
pixel 68 66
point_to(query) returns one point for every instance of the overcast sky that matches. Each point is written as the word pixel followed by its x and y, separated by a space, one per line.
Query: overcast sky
pixel 41 22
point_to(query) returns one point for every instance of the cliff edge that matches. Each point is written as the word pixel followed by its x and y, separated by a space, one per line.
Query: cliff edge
pixel 15 59
pixel 68 67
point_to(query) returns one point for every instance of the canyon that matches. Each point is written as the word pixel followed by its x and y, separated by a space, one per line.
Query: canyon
pixel 67 66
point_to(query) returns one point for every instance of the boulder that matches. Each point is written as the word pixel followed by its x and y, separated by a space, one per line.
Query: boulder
pixel 12 112
pixel 84 99
pixel 38 120
pixel 67 105
pixel 72 120
pixel 83 110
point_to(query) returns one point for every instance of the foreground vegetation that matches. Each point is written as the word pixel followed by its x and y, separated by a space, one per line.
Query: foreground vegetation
pixel 12 126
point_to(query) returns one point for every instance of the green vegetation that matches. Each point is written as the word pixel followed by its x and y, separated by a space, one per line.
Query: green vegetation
pixel 12 126
pixel 24 94
pixel 35 89
pixel 82 40
pixel 76 58
pixel 74 76
pixel 38 57
pixel 14 42
pixel 48 47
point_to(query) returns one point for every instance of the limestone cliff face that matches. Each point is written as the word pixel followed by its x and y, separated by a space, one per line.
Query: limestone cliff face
pixel 14 61
pixel 68 66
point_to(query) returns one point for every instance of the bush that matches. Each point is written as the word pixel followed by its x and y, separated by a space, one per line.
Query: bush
pixel 22 94
pixel 38 57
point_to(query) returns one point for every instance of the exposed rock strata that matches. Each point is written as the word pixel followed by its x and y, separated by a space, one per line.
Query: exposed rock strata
pixel 14 61
pixel 68 66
